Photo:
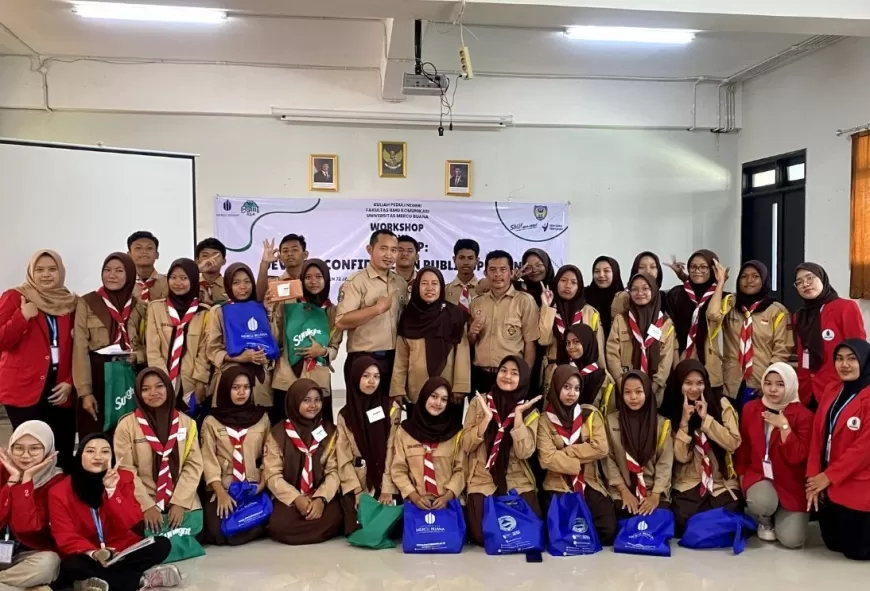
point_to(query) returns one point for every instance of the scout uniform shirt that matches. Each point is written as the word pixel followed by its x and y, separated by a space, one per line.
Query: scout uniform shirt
pixel 453 291
pixel 287 492
pixel 509 323
pixel 363 289
pixel 410 372
pixel 688 465
pixel 211 293
pixel 547 339
pixel 657 471
pixel 158 291
pixel 406 469
pixel 134 453
pixel 712 350
pixel 217 452
pixel 352 475
pixel 159 330
pixel 772 341
pixel 563 462
pixel 283 376
pixel 620 349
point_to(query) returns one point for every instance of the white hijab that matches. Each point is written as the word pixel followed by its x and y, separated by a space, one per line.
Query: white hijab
pixel 43 433
pixel 789 378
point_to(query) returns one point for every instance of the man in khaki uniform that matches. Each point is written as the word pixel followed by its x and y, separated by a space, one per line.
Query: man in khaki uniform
pixel 369 305
pixel 406 262
pixel 503 322
pixel 211 256
pixel 292 252
pixel 142 246
pixel 460 291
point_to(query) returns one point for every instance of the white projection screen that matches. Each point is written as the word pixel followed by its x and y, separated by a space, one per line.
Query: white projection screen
pixel 83 202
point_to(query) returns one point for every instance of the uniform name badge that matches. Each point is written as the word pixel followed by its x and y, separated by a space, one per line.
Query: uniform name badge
pixel 55 355
pixel 182 433
pixel 654 332
pixel 767 468
pixel 319 434
pixel 805 361
pixel 376 414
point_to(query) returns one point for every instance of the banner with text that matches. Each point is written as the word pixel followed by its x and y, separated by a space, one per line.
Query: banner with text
pixel 338 230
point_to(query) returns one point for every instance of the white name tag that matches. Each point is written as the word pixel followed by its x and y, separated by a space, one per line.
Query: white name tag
pixel 283 290
pixel 376 414
pixel 182 433
pixel 654 332
pixel 319 434
pixel 55 355
pixel 805 361
pixel 6 550
pixel 767 467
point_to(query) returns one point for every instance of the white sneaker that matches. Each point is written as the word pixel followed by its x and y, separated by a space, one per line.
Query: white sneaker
pixel 766 533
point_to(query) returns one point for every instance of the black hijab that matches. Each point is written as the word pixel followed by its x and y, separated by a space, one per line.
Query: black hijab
pixel 561 376
pixel 638 428
pixel 88 486
pixel 682 309
pixel 567 308
pixel 228 282
pixel 426 428
pixel 441 324
pixel 601 298
pixel 535 288
pixel 645 316
pixel 861 349
pixel 591 381
pixel 635 266
pixel 229 414
pixel 159 418
pixel 746 301
pixel 505 403
pixel 181 303
pixel 808 320
pixel 320 299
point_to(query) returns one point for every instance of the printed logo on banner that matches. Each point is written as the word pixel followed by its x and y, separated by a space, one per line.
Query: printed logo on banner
pixel 541 213
pixel 228 205
pixel 250 208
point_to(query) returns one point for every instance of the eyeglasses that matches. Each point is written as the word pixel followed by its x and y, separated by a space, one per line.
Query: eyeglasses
pixel 639 290
pixel 698 268
pixel 806 281
pixel 33 450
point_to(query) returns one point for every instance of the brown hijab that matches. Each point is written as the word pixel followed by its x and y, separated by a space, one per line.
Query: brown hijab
pixel 646 316
pixel 505 403
pixel 228 282
pixel 56 300
pixel 293 458
pixel 426 428
pixel 565 413
pixel 118 298
pixel 181 303
pixel 808 320
pixel 638 428
pixel 229 414
pixel 160 418
pixel 682 309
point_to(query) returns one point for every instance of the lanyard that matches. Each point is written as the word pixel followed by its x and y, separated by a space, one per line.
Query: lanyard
pixel 832 422
pixel 99 523
pixel 768 432
pixel 52 329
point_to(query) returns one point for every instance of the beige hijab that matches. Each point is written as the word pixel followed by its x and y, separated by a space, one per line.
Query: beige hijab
pixel 43 433
pixel 789 378
pixel 56 300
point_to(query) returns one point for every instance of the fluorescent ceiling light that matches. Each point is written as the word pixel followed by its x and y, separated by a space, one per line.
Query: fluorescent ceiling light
pixel 149 12
pixel 632 35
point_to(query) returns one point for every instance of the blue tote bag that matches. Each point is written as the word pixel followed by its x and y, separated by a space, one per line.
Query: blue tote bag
pixel 246 326
pixel 252 509
pixel 718 528
pixel 433 532
pixel 510 526
pixel 570 530
pixel 646 534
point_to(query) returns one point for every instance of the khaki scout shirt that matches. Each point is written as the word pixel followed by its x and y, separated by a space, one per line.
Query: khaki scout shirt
pixel 658 470
pixel 509 323
pixel 453 291
pixel 406 469
pixel 362 290
pixel 158 291
pixel 212 293
pixel 158 334
pixel 620 348
pixel 410 372
pixel 217 451
pixel 287 492
pixel 688 466
pixel 563 462
pixel 354 477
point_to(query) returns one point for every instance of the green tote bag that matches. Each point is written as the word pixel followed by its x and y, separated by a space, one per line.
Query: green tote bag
pixel 183 537
pixel 376 521
pixel 304 323
pixel 118 399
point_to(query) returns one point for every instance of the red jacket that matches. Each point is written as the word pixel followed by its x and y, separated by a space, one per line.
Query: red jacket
pixel 25 353
pixel 849 468
pixel 73 526
pixel 789 459
pixel 841 320
pixel 25 510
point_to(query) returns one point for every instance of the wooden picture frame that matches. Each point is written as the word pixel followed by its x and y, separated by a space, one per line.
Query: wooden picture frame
pixel 458 177
pixel 393 160
pixel 320 179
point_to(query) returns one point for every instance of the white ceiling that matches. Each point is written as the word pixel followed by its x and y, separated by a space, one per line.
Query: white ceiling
pixel 257 35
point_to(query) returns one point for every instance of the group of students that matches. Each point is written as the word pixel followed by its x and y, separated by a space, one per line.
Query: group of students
pixel 622 393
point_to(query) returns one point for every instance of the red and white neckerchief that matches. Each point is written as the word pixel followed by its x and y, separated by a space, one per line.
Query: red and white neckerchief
pixel 579 482
pixel 502 425
pixel 237 440
pixel 560 324
pixel 746 351
pixel 645 343
pixel 465 298
pixel 693 330
pixel 636 471
pixel 145 286
pixel 429 480
pixel 702 446
pixel 310 364
pixel 120 317
pixel 163 451
pixel 306 480
pixel 178 325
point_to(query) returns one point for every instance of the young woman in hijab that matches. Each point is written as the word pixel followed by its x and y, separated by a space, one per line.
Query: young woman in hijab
pixel 565 306
pixel 317 361
pixel 364 446
pixel 696 321
pixel 29 473
pixel 823 322
pixel 838 466
pixel 756 332
pixel 648 263
pixel 582 353
pixel 432 340
pixel 301 468
pixel 36 351
pixel 160 446
pixel 771 461
pixel 232 451
pixel 708 435
pixel 535 277
pixel 94 515
pixel 571 441
pixel 176 334
pixel 641 458
pixel 606 284
pixel 643 337
pixel 428 466
pixel 240 286
pixel 499 436
pixel 108 316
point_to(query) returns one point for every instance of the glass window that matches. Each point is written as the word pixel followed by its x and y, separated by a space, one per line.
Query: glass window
pixel 796 172
pixel 764 179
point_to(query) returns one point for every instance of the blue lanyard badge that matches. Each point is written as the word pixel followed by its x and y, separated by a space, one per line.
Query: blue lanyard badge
pixel 52 337
pixel 99 524
pixel 832 422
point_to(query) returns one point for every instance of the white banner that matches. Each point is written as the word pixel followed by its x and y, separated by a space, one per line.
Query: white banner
pixel 338 230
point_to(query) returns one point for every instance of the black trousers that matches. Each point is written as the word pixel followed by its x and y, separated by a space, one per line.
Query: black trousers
pixel 845 530
pixel 384 360
pixel 121 576
pixel 685 504
pixel 61 420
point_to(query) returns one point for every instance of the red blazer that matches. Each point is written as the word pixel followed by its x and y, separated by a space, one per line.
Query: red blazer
pixel 25 510
pixel 843 319
pixel 25 353
pixel 789 459
pixel 73 526
pixel 849 468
